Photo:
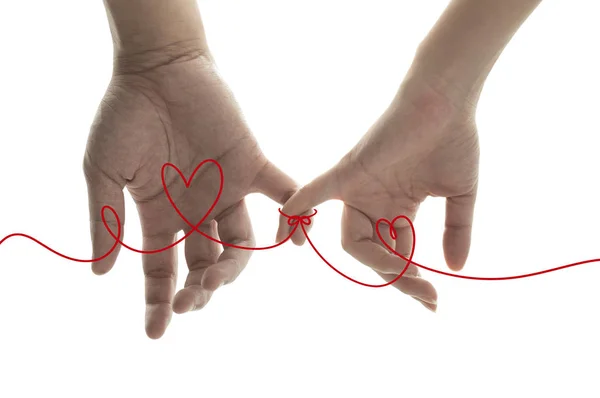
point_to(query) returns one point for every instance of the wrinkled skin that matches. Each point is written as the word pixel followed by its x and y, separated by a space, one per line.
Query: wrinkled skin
pixel 182 113
pixel 425 144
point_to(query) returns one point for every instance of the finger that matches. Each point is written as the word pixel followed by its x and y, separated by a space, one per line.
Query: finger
pixel 321 189
pixel 191 298
pixel 457 234
pixel 358 240
pixel 429 306
pixel 160 270
pixel 235 228
pixel 411 282
pixel 404 242
pixel 104 190
pixel 200 253
pixel 417 287
pixel 275 184
pixel 278 186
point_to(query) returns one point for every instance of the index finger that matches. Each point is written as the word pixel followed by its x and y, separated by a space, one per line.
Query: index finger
pixel 358 241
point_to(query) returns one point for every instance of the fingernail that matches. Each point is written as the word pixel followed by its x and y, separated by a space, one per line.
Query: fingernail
pixel 411 273
pixel 430 300
pixel 431 307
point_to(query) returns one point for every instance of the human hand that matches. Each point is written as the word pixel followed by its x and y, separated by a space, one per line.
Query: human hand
pixel 181 112
pixel 425 144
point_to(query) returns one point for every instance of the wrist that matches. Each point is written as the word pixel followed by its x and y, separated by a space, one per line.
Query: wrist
pixel 462 47
pixel 439 93
pixel 132 61
pixel 461 93
pixel 151 33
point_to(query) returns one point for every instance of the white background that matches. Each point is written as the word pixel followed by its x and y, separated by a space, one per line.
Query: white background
pixel 290 326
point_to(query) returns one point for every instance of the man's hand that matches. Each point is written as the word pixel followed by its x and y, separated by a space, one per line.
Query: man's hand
pixel 181 112
pixel 423 145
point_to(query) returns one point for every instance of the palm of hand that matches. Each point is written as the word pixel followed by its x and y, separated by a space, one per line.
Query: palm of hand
pixel 181 113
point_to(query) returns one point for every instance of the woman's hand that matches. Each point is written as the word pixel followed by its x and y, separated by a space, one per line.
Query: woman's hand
pixel 423 145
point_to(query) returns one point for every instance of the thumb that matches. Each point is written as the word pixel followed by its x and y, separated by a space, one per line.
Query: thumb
pixel 320 190
pixel 104 191
pixel 274 183
pixel 457 234
pixel 277 185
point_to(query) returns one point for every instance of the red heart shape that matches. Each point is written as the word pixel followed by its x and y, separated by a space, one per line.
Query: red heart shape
pixel 292 220
pixel 187 183
pixel 394 236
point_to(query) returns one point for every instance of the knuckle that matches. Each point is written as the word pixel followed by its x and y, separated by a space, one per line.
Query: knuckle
pixel 160 274
pixel 157 301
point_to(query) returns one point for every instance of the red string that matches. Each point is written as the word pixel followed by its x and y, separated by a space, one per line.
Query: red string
pixel 293 220
pixel 477 278
pixel 114 246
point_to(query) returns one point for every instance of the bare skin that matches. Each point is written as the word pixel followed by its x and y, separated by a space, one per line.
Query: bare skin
pixel 421 146
pixel 424 144
pixel 169 104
